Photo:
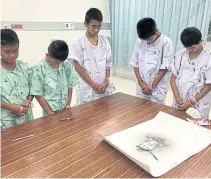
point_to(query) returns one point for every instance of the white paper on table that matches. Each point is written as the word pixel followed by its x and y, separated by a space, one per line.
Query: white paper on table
pixel 171 139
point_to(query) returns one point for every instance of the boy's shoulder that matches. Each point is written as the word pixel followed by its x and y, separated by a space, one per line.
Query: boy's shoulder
pixel 25 68
pixel 166 39
pixel 103 38
pixel 180 52
pixel 207 51
pixel 139 43
pixel 40 64
pixel 22 64
pixel 78 43
pixel 206 59
pixel 67 63
pixel 39 67
pixel 80 39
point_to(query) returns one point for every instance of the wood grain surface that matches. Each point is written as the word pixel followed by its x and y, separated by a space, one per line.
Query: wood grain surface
pixel 75 148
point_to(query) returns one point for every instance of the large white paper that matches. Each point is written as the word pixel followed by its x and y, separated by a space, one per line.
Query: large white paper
pixel 162 143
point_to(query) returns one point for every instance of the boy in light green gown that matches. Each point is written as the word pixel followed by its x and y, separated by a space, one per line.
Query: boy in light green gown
pixel 53 79
pixel 15 83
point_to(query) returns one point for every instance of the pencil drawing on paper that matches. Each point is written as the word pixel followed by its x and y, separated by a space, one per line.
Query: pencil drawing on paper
pixel 158 150
pixel 150 144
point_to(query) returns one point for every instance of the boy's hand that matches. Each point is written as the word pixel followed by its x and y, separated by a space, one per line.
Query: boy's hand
pixel 178 102
pixel 184 105
pixel 95 86
pixel 67 106
pixel 19 109
pixel 28 103
pixel 103 87
pixel 143 85
pixel 146 89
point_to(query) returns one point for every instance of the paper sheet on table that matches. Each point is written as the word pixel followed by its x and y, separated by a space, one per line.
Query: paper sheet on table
pixel 171 140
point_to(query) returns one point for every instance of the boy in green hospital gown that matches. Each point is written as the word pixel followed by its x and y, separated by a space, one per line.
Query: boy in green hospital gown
pixel 15 83
pixel 53 79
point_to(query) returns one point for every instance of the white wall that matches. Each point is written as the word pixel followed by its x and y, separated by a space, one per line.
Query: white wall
pixel 34 44
pixel 51 10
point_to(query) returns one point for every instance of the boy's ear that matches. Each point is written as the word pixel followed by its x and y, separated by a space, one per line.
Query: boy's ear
pixel 201 41
pixel 47 54
pixel 86 24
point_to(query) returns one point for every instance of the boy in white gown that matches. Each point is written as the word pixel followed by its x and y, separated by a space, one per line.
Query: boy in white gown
pixel 151 59
pixel 191 75
pixel 92 60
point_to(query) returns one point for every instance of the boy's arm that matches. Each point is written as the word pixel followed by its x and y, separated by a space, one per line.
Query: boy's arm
pixel 7 106
pixel 17 109
pixel 192 102
pixel 159 77
pixel 141 82
pixel 108 73
pixel 167 57
pixel 108 67
pixel 135 63
pixel 145 88
pixel 30 98
pixel 28 101
pixel 203 92
pixel 207 86
pixel 103 87
pixel 174 89
pixel 108 59
pixel 41 100
pixel 84 75
pixel 37 86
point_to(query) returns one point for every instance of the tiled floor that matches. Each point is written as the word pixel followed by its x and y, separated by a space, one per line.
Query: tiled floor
pixel 122 85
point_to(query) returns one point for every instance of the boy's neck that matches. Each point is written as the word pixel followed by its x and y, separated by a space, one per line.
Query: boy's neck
pixel 159 34
pixel 92 39
pixel 8 66
pixel 53 66
pixel 196 54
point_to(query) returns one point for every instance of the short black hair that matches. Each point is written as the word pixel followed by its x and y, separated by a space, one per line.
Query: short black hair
pixel 190 36
pixel 59 50
pixel 93 14
pixel 9 37
pixel 146 28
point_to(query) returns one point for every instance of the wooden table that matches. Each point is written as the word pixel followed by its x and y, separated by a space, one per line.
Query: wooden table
pixel 74 148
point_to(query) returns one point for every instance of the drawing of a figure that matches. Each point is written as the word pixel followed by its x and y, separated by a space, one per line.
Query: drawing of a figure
pixel 150 144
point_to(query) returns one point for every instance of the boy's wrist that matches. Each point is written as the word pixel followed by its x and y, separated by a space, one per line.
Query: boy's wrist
pixel 49 112
pixel 178 100
pixel 142 83
pixel 93 85
pixel 107 79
